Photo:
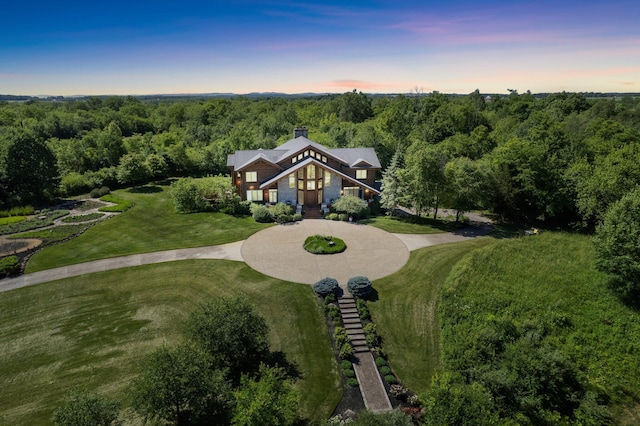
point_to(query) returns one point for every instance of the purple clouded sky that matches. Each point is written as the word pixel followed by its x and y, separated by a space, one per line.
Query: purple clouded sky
pixel 116 47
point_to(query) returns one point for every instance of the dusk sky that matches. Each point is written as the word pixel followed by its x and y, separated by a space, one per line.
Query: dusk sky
pixel 128 47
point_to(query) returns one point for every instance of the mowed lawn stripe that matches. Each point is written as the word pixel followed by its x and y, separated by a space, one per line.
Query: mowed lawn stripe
pixel 93 331
pixel 151 225
pixel 405 312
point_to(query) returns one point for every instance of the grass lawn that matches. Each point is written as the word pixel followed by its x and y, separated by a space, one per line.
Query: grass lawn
pixel 92 332
pixel 151 225
pixel 319 244
pixel 405 225
pixel 12 219
pixel 405 310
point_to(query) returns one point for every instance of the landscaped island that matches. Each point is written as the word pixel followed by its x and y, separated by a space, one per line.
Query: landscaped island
pixel 320 244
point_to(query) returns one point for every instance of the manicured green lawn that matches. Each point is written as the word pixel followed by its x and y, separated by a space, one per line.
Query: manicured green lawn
pixel 423 225
pixel 11 219
pixel 549 276
pixel 151 225
pixel 93 331
pixel 405 310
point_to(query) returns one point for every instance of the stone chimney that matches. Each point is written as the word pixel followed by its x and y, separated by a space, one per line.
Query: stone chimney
pixel 300 131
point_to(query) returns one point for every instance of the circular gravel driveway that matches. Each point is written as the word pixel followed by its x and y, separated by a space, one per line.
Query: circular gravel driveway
pixel 277 251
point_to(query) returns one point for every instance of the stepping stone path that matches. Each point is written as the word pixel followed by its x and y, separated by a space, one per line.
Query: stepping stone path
pixel 373 391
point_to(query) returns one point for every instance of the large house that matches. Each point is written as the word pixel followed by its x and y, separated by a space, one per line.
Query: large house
pixel 303 172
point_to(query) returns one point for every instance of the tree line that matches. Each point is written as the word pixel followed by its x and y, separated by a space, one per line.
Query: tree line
pixel 561 158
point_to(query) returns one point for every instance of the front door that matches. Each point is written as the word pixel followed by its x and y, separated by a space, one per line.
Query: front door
pixel 310 198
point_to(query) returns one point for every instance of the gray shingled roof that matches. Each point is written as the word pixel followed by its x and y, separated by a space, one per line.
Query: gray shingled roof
pixel 349 156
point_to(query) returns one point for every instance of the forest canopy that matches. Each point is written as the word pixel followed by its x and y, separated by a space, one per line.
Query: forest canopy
pixel 561 157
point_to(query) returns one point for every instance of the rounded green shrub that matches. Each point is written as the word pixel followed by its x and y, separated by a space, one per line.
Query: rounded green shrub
pixel 349 373
pixel 353 382
pixel 380 361
pixel 261 213
pixel 346 364
pixel 391 379
pixel 326 286
pixel 343 217
pixel 385 371
pixel 9 266
pixel 359 286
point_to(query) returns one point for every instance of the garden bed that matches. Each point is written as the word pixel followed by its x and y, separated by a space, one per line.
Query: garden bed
pixel 320 244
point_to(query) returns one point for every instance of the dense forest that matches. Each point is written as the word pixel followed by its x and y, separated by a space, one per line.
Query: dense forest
pixel 561 158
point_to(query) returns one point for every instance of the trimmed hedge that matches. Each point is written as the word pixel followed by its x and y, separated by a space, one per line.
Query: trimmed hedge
pixel 9 266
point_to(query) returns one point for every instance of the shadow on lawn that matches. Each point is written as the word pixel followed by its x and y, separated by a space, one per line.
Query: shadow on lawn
pixel 147 189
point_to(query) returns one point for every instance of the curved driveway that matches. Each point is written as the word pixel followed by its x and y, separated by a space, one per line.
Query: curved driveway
pixel 278 252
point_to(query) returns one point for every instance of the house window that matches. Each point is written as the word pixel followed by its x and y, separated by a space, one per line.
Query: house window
pixel 300 156
pixel 311 185
pixel 301 184
pixel 324 159
pixel 251 177
pixel 311 171
pixel 327 179
pixel 361 174
pixel 273 196
pixel 293 160
pixel 354 191
pixel 254 195
pixel 292 181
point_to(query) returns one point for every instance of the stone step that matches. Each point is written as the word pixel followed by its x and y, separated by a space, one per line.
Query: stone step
pixel 350 315
pixel 352 321
pixel 349 310
pixel 355 334
pixel 347 306
pixel 358 342
pixel 360 349
pixel 353 326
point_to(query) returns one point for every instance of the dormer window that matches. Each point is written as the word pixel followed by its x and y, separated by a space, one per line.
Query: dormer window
pixel 361 174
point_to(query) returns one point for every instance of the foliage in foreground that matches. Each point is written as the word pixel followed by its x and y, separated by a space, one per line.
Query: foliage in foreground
pixel 84 408
pixel 320 244
pixel 617 244
pixel 524 336
pixel 268 399
pixel 326 286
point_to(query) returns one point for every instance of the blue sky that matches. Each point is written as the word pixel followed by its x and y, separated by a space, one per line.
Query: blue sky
pixel 128 47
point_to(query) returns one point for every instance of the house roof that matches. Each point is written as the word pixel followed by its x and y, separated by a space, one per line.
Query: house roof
pixel 352 157
pixel 311 160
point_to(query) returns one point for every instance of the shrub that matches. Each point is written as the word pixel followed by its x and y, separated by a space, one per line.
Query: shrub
pixel 326 286
pixel 391 379
pixel 363 310
pixel 297 217
pixel 346 365
pixel 329 298
pixel 281 213
pixel 340 336
pixel 21 211
pixel 350 205
pixel 334 312
pixel 82 218
pixel 261 213
pixel 349 372
pixel 398 391
pixel 371 334
pixel 353 382
pixel 385 371
pixel 380 361
pixel 346 351
pixel 343 217
pixel 9 266
pixel 187 197
pixel 359 286
pixel 99 192
pixel 332 216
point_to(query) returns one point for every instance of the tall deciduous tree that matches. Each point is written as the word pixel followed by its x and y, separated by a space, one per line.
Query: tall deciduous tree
pixel 467 185
pixel 617 244
pixel 28 169
pixel 179 385
pixel 423 177
pixel 233 334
